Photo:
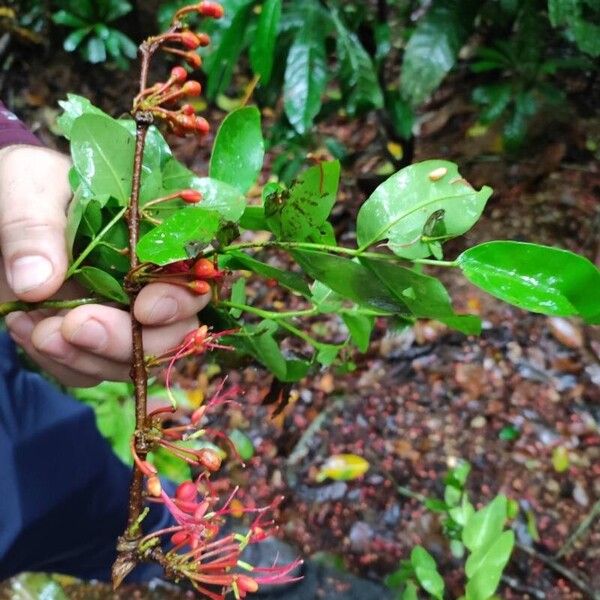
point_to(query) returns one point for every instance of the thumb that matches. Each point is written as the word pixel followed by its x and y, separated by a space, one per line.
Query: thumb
pixel 34 194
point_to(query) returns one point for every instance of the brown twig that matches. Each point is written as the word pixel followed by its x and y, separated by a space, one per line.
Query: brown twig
pixel 561 569
pixel 581 529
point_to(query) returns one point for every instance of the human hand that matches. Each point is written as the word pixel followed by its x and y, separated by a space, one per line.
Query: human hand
pixel 90 343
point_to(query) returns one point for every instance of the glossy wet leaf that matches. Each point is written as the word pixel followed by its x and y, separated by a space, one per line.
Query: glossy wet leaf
pixel 73 107
pixel 239 260
pixel 425 296
pixel 484 568
pixel 34 586
pixel 426 572
pixel 218 196
pixel 262 51
pixel 433 47
pixel 239 149
pixel 419 208
pixel 299 214
pixel 243 444
pixel 541 279
pixel 169 242
pixel 306 73
pixel 351 280
pixel 102 283
pixel 102 152
pixel 485 525
pixel 360 328
pixel 509 433
pixel 343 467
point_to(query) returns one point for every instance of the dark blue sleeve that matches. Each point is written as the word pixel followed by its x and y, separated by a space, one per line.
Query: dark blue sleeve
pixel 63 493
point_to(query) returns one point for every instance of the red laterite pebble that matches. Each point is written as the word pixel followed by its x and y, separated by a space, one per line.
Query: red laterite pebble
pixel 199 287
pixel 211 9
pixel 190 196
pixel 179 74
pixel 204 268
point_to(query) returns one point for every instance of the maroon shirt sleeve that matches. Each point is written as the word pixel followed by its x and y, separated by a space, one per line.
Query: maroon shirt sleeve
pixel 12 131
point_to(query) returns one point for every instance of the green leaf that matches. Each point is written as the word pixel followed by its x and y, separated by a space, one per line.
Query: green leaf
pixel 216 195
pixel 243 444
pixel 420 207
pixel 73 107
pixel 170 241
pixel 343 467
pixel 73 40
pixel 239 260
pixel 306 73
pixel 360 328
pixel 102 283
pixel 68 19
pixel 94 51
pixel 222 62
pixel 239 149
pixel 425 296
pixel 254 219
pixel 541 279
pixel 262 51
pixel 427 573
pixel 358 75
pixel 484 568
pixel 300 213
pixel 261 344
pixel 351 280
pixel 484 527
pixel 102 152
pixel 238 296
pixel 410 592
pixel 27 586
pixel 434 45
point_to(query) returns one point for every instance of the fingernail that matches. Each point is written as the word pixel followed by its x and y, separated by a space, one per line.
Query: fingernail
pixel 29 272
pixel 91 334
pixel 163 310
pixel 20 326
pixel 54 345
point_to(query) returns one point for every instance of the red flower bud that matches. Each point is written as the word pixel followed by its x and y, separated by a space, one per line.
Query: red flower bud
pixel 188 109
pixel 209 459
pixel 189 39
pixel 186 491
pixel 211 9
pixel 193 59
pixel 201 125
pixel 179 74
pixel 192 88
pixel 190 196
pixel 200 335
pixel 199 287
pixel 179 538
pixel 204 269
pixel 246 584
pixel 153 486
pixel 204 39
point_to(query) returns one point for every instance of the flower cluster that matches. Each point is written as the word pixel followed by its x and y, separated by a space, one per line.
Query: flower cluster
pixel 198 276
pixel 212 563
pixel 161 99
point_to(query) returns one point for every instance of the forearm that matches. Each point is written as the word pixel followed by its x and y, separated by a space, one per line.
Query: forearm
pixel 13 132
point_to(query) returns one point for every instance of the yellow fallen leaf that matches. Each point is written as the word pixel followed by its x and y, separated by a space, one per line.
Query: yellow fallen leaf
pixel 343 467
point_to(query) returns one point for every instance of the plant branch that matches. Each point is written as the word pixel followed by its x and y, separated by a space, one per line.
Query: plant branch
pixel 561 569
pixel 581 529
pixel 17 305
pixel 354 252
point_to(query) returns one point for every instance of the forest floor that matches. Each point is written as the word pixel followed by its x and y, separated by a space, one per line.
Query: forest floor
pixel 525 391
